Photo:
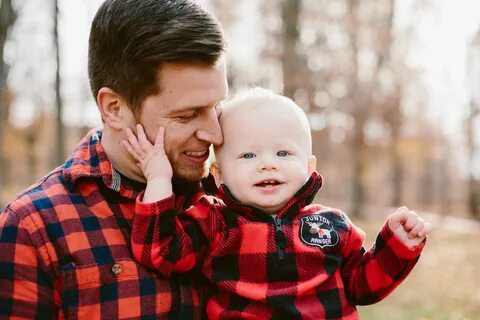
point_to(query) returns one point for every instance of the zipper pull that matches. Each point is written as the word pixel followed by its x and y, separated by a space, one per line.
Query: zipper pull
pixel 280 237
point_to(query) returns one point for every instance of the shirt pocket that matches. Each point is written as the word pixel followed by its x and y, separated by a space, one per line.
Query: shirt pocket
pixel 109 291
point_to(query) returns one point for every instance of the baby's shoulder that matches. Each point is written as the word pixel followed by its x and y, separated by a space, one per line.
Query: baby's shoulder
pixel 316 208
pixel 319 212
pixel 211 201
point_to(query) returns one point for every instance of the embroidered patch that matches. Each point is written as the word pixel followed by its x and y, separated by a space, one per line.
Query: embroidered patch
pixel 316 230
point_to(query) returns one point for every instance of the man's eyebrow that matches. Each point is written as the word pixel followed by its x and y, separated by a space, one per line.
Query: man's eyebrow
pixel 184 109
pixel 194 107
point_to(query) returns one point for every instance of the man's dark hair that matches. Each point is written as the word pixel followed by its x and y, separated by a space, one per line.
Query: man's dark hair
pixel 131 39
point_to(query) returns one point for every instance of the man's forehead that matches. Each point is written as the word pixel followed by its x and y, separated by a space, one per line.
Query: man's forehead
pixel 187 86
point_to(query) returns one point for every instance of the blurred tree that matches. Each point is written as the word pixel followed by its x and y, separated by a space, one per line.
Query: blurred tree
pixel 60 134
pixel 394 119
pixel 290 59
pixel 392 100
pixel 369 27
pixel 472 131
pixel 7 18
pixel 473 182
pixel 358 109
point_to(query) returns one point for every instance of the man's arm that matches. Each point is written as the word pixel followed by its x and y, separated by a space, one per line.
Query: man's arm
pixel 26 290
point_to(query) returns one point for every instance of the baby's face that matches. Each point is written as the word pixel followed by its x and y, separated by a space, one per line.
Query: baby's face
pixel 265 157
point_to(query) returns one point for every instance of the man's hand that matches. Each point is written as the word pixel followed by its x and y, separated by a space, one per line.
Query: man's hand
pixel 153 162
pixel 408 226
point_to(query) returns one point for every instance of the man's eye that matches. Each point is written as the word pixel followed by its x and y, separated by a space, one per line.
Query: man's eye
pixel 185 118
pixel 282 153
pixel 247 155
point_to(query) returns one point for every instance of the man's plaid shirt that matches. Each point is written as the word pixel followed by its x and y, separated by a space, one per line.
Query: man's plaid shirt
pixel 65 249
pixel 308 262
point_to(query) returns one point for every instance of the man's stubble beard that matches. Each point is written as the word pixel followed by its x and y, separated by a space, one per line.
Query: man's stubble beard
pixel 182 173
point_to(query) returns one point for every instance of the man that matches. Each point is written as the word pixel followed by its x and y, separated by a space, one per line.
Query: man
pixel 64 242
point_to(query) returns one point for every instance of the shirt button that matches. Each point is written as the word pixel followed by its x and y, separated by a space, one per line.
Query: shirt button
pixel 117 269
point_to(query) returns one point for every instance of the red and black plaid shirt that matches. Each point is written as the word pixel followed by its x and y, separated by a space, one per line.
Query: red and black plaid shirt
pixel 65 249
pixel 308 262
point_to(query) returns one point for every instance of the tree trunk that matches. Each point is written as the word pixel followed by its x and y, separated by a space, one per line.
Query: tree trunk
pixel 7 18
pixel 473 183
pixel 357 106
pixel 290 59
pixel 395 119
pixel 60 134
pixel 359 168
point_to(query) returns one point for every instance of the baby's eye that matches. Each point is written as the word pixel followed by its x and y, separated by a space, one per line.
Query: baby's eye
pixel 247 155
pixel 282 153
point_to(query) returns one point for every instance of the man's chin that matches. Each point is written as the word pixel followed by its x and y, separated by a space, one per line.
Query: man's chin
pixel 190 174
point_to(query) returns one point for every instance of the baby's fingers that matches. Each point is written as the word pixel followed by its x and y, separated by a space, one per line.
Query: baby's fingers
pixel 130 150
pixel 415 231
pixel 159 146
pixel 142 138
pixel 159 140
pixel 411 219
pixel 427 228
pixel 132 139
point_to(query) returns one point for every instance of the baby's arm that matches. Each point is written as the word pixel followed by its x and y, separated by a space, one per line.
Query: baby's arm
pixel 408 226
pixel 371 275
pixel 153 162
pixel 163 238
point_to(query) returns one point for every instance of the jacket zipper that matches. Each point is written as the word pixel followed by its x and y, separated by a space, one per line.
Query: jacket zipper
pixel 280 237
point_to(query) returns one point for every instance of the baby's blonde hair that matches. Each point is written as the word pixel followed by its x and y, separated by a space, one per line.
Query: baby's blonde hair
pixel 256 97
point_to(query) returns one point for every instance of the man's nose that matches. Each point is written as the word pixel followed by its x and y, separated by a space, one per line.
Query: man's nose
pixel 209 129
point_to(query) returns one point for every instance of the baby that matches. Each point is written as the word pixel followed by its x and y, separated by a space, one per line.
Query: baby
pixel 267 250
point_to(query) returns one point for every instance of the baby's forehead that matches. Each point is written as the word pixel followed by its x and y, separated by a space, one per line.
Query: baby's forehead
pixel 255 106
pixel 245 109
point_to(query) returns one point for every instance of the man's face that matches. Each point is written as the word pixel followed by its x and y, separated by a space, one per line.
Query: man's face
pixel 187 107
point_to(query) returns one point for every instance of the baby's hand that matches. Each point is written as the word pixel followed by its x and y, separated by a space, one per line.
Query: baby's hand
pixel 408 226
pixel 152 159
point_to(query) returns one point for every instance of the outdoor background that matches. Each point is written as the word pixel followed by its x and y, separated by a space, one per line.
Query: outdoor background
pixel 392 90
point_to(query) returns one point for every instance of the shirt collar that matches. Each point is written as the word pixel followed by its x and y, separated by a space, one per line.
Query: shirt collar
pixel 89 161
pixel 303 197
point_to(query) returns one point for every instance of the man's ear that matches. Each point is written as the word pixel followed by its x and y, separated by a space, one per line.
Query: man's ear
pixel 112 107
pixel 312 164
pixel 217 175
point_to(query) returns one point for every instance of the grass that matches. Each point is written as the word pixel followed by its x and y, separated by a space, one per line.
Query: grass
pixel 444 285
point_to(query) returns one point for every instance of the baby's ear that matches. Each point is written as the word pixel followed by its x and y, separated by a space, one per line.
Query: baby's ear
pixel 312 164
pixel 217 175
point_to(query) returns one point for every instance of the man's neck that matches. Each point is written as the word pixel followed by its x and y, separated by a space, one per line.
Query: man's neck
pixel 118 156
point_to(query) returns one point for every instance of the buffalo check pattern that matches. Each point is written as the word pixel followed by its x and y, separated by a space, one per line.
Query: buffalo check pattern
pixel 308 262
pixel 65 249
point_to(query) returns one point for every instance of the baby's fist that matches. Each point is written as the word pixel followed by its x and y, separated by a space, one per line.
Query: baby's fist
pixel 408 226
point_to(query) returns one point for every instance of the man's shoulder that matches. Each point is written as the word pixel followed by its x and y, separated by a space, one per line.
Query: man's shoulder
pixel 44 194
pixel 57 187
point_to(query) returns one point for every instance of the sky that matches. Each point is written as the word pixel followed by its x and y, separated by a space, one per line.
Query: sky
pixel 441 37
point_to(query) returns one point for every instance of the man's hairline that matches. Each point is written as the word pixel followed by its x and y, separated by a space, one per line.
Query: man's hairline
pixel 158 80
